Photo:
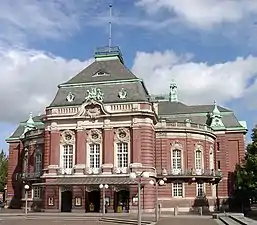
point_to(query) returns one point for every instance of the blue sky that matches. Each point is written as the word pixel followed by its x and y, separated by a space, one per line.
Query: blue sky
pixel 206 46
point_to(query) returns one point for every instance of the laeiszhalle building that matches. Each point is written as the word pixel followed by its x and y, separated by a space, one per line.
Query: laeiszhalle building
pixel 102 125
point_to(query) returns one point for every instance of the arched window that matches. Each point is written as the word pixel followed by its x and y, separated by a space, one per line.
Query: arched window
pixel 176 159
pixel 198 159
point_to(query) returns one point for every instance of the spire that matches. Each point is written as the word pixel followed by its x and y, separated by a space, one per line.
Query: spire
pixel 216 121
pixel 110 27
pixel 30 125
pixel 30 121
pixel 173 95
pixel 215 111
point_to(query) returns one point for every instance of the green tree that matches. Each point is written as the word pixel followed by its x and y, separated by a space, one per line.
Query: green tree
pixel 246 174
pixel 3 170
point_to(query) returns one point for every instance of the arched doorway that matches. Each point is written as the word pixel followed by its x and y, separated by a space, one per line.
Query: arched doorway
pixel 93 201
pixel 66 201
pixel 121 201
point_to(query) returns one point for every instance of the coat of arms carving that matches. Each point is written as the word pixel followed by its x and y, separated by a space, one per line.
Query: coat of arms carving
pixel 94 94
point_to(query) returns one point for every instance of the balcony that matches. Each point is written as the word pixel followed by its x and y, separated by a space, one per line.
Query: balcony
pixel 186 125
pixel 191 174
pixel 30 176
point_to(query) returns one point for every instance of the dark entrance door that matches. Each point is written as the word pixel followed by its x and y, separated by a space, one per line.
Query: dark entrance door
pixel 121 201
pixel 66 201
pixel 93 201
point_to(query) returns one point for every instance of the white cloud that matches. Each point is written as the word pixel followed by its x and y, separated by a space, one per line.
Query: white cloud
pixel 198 83
pixel 203 13
pixel 29 81
pixel 22 20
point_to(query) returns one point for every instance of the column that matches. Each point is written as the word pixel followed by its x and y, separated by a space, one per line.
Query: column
pixel 108 150
pixel 81 151
pixel 136 145
pixel 54 147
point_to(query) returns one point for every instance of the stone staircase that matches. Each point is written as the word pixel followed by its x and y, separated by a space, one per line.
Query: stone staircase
pixel 235 219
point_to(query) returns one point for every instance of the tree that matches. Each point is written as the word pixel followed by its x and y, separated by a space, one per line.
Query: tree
pixel 3 170
pixel 246 174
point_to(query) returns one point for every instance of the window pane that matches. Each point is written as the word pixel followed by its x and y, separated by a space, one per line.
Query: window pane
pixel 177 189
pixel 94 155
pixel 67 156
pixel 122 154
pixel 176 159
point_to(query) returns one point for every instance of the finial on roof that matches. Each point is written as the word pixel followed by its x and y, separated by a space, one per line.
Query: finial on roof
pixel 173 95
pixel 110 26
pixel 30 120
pixel 215 111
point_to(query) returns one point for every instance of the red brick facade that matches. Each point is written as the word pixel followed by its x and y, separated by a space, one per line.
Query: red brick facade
pixel 69 155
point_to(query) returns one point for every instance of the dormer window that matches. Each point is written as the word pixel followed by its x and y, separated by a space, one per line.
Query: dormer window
pixel 101 73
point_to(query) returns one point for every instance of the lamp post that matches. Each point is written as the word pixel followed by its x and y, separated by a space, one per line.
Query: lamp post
pixel 135 176
pixel 103 186
pixel 155 183
pixel 26 187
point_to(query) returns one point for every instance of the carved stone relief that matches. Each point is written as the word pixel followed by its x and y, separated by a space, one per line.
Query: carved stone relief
pixel 67 137
pixel 92 110
pixel 176 145
pixel 94 136
pixel 122 135
pixel 199 146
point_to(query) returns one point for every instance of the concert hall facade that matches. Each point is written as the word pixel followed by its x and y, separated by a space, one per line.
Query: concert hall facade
pixel 101 126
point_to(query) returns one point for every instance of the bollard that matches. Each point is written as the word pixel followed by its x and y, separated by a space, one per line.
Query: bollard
pixel 201 211
pixel 175 211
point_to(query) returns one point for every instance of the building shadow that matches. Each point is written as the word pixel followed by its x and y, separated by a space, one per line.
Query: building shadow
pixel 15 202
pixel 200 203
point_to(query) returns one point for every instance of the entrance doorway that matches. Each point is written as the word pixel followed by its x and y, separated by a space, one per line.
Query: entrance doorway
pixel 66 201
pixel 121 201
pixel 93 201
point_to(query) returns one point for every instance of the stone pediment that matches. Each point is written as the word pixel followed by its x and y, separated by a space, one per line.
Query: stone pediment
pixel 92 109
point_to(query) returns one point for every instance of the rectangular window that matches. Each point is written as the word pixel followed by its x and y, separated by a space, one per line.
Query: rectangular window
pixel 198 160
pixel 122 155
pixel 218 146
pixel 177 189
pixel 38 163
pixel 37 192
pixel 68 157
pixel 176 159
pixel 94 155
pixel 218 164
pixel 200 190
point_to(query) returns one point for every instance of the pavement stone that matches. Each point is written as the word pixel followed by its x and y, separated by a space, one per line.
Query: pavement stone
pixel 187 221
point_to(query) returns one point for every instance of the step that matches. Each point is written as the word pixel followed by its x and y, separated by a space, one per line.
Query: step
pixel 228 220
pixel 124 221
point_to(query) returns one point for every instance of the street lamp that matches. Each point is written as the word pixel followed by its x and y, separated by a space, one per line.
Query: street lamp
pixel 135 176
pixel 155 183
pixel 26 187
pixel 103 186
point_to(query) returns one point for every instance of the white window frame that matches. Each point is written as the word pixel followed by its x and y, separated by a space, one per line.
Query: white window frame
pixel 117 153
pixel 36 192
pixel 67 170
pixel 95 155
pixel 199 166
pixel 211 158
pixel 38 164
pixel 177 188
pixel 176 158
pixel 197 189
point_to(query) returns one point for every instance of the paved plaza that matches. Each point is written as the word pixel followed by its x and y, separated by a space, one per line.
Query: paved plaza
pixel 94 221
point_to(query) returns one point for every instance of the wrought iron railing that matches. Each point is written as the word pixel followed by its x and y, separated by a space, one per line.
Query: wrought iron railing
pixel 30 175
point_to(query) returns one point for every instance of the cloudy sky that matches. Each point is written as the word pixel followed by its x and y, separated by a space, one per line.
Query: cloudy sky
pixel 207 46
